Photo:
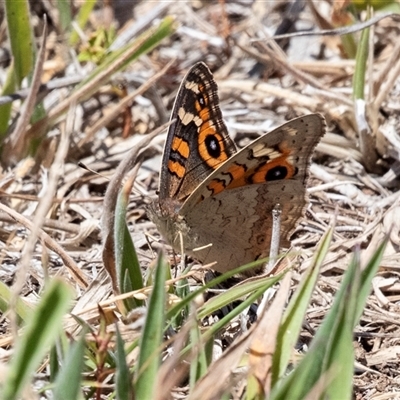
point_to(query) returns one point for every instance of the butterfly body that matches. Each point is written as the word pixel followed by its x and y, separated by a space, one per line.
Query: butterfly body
pixel 218 202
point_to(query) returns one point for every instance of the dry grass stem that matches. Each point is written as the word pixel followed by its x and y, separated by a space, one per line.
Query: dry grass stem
pixel 102 130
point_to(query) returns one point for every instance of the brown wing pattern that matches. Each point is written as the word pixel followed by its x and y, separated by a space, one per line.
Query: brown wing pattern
pixel 221 200
pixel 231 212
pixel 198 141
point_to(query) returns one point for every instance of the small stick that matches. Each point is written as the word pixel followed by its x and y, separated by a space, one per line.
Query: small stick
pixel 275 236
pixel 183 264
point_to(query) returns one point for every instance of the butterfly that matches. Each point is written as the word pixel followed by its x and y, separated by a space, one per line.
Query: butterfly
pixel 216 201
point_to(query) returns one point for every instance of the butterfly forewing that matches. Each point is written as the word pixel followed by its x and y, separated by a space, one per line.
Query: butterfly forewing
pixel 198 141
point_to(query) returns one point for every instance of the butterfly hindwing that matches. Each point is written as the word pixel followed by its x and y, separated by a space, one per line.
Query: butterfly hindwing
pixel 235 229
pixel 229 215
pixel 282 154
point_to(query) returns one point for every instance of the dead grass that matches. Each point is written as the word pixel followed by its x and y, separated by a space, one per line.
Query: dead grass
pixel 260 86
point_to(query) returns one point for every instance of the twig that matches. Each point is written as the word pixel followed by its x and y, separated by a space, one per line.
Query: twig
pixel 126 102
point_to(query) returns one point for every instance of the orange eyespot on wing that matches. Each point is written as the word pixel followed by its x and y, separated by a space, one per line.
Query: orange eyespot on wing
pixel 274 170
pixel 211 146
pixel 237 175
pixel 279 164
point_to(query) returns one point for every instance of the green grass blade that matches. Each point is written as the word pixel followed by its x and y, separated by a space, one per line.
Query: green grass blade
pixel 123 384
pixel 21 37
pixel 81 19
pixel 332 347
pixel 308 372
pixel 151 337
pixel 142 45
pixel 56 354
pixel 199 365
pixel 383 6
pixel 40 333
pixel 234 313
pixel 294 316
pixel 175 310
pixel 361 65
pixel 149 40
pixel 126 261
pixel 235 293
pixel 64 11
pixel 366 277
pixel 22 309
pixel 340 354
pixel 115 62
pixel 54 367
pixel 5 110
pixel 182 291
pixel 349 45
pixel 68 382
